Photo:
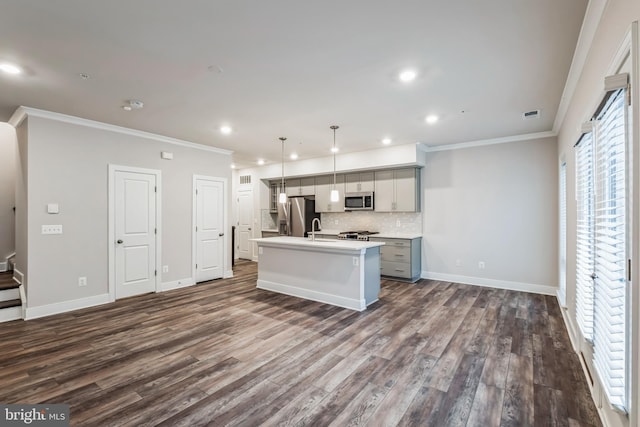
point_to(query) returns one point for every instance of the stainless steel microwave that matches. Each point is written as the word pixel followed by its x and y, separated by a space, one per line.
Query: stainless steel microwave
pixel 358 201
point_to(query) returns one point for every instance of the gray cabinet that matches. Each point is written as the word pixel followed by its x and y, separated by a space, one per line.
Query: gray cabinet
pixel 358 182
pixel 270 234
pixel 396 190
pixel 274 191
pixel 300 187
pixel 324 185
pixel 400 258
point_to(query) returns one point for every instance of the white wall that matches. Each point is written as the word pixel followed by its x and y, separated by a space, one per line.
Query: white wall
pixel 68 165
pixel 495 204
pixel 612 28
pixel 7 189
pixel 21 180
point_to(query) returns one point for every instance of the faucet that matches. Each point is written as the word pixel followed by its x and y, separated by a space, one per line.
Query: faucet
pixel 313 228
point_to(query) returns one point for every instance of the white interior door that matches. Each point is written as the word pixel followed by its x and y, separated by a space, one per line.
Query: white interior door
pixel 135 233
pixel 209 229
pixel 245 220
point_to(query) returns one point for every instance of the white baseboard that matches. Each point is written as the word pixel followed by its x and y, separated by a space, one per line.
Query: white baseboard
pixel 491 283
pixel 3 266
pixel 11 313
pixel 573 337
pixel 65 306
pixel 177 284
pixel 18 276
pixel 228 274
pixel 350 303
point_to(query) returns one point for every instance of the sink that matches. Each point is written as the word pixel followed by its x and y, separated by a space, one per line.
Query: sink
pixel 323 240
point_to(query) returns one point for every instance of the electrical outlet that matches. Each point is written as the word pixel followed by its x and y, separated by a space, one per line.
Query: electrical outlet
pixel 165 268
pixel 356 261
pixel 52 229
pixel 335 222
pixel 458 263
pixel 260 250
pixel 82 281
pixel 398 223
pixel 481 265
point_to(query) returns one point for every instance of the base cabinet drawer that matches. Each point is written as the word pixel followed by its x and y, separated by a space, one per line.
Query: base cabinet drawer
pixel 396 254
pixel 400 257
pixel 395 269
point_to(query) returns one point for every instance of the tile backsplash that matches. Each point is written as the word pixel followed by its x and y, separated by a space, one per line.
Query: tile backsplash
pixel 383 222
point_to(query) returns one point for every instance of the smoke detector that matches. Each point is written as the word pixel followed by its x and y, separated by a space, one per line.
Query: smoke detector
pixel 136 104
pixel 533 114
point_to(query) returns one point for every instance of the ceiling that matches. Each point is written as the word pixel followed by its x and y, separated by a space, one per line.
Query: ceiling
pixel 292 68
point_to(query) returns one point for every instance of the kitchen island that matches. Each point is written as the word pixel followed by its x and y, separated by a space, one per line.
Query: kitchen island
pixel 345 273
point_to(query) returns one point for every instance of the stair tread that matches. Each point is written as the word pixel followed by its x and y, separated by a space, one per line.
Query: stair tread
pixel 10 303
pixel 9 285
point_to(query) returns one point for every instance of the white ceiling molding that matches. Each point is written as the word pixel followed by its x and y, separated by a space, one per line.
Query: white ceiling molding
pixel 484 142
pixel 22 112
pixel 593 15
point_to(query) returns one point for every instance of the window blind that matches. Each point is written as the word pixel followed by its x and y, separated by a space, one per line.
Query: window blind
pixel 610 343
pixel 585 258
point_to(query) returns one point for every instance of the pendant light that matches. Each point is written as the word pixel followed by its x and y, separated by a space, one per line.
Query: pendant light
pixel 335 196
pixel 282 198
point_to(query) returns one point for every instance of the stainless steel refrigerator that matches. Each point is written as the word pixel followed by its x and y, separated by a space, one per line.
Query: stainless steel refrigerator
pixel 295 216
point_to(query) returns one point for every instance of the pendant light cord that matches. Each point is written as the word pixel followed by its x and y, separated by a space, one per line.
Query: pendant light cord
pixel 283 139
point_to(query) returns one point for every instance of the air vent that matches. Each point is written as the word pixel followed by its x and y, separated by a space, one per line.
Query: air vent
pixel 533 114
pixel 245 179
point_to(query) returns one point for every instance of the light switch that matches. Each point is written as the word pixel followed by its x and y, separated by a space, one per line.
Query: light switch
pixel 52 229
pixel 53 208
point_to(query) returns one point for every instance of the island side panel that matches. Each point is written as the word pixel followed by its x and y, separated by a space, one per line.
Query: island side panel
pixel 371 275
pixel 320 276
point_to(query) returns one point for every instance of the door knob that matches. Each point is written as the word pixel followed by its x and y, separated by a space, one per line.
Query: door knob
pixel 119 241
pixel 221 234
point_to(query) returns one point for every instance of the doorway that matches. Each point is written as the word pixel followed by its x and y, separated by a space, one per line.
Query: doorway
pixel 209 228
pixel 245 216
pixel 134 218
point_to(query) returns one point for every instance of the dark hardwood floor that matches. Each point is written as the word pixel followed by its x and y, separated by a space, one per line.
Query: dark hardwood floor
pixel 225 353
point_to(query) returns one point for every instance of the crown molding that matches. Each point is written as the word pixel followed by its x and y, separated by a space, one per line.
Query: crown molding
pixel 492 141
pixel 592 17
pixel 22 112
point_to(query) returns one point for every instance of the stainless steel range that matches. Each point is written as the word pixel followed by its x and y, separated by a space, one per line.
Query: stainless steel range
pixel 356 235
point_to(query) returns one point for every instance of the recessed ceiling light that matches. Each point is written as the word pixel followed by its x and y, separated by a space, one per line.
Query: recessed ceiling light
pixel 293 156
pixel 10 68
pixel 126 108
pixel 407 76
pixel 225 130
pixel 84 76
pixel 386 141
pixel 261 162
pixel 233 166
pixel 431 119
pixel 334 149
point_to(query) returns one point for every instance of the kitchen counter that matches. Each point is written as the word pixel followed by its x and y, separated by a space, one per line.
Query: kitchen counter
pixel 319 245
pixel 384 234
pixel 387 235
pixel 338 272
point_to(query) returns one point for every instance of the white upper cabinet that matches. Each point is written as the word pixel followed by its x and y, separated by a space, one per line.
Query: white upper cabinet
pixel 359 182
pixel 396 190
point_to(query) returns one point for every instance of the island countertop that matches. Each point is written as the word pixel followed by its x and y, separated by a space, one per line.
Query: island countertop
pixel 304 243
